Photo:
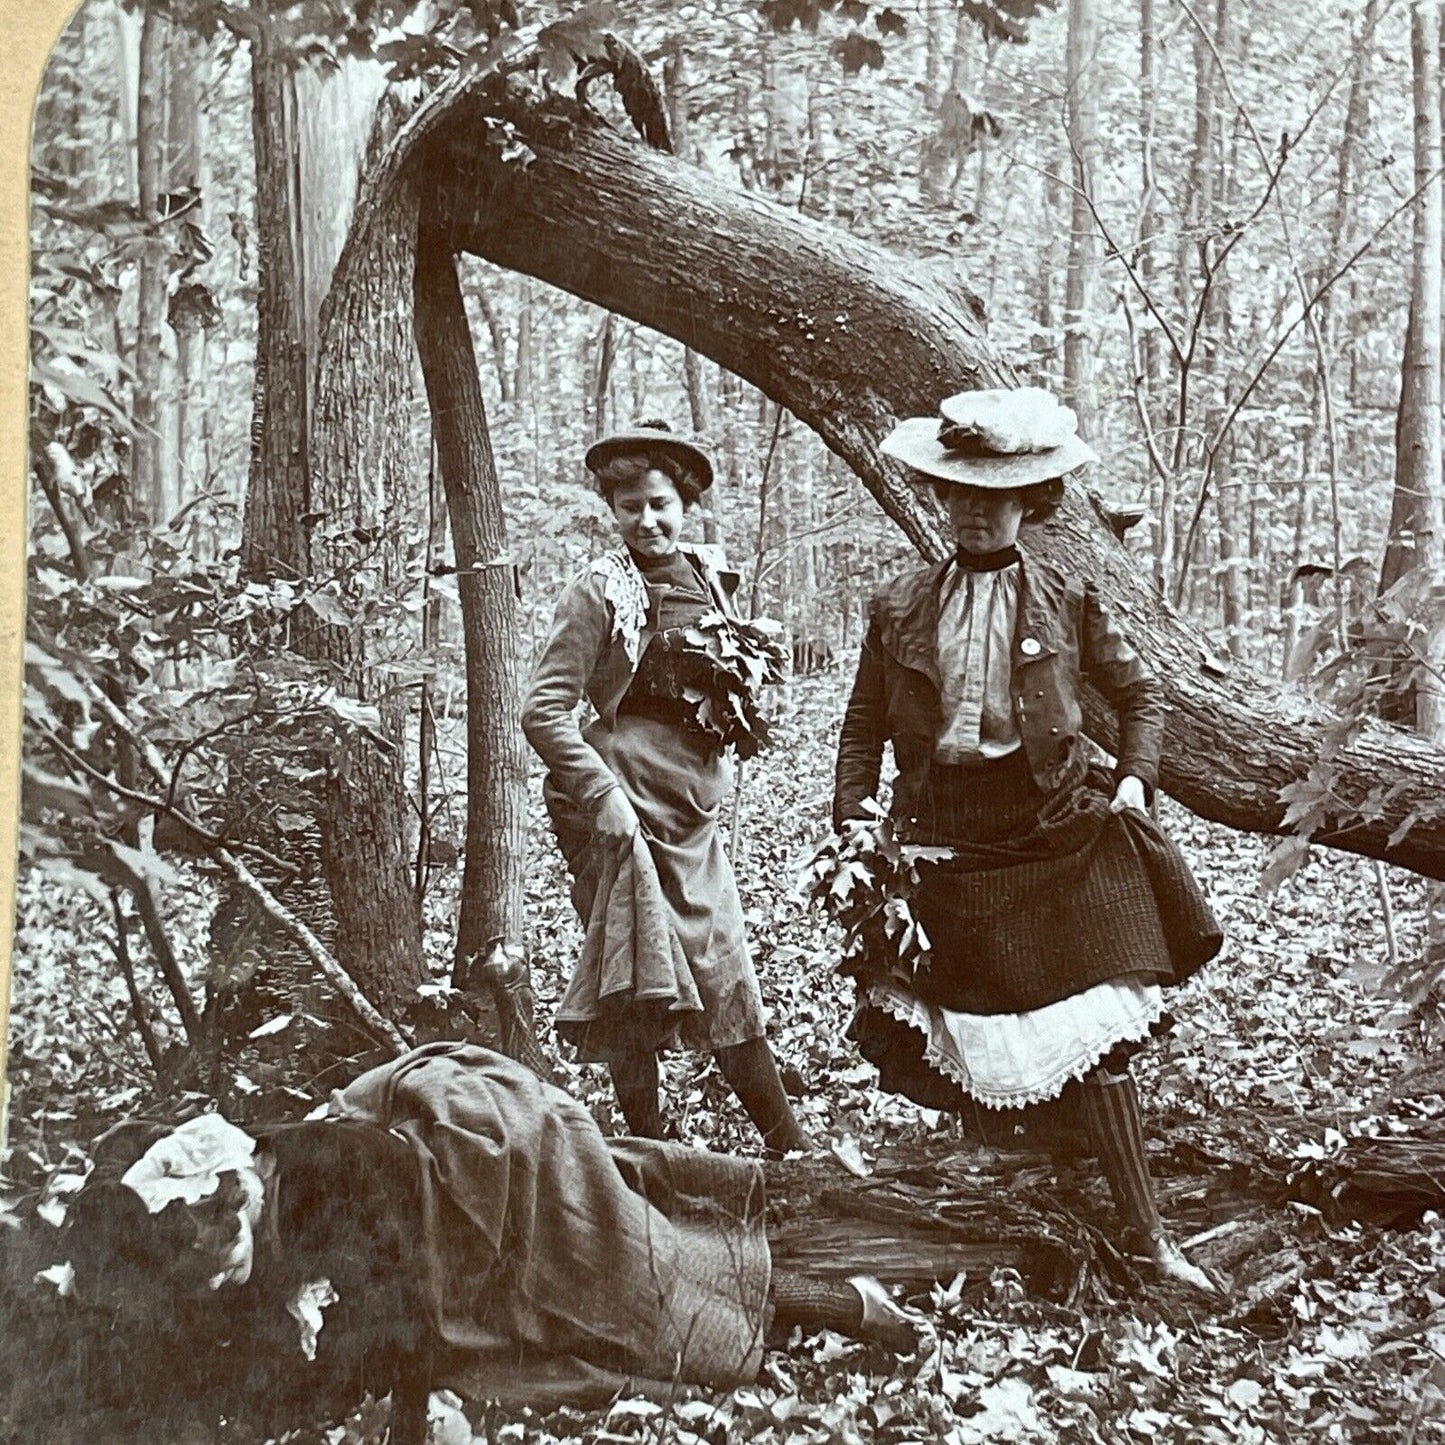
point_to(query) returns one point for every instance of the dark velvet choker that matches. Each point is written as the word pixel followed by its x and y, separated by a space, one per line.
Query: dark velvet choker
pixel 987 561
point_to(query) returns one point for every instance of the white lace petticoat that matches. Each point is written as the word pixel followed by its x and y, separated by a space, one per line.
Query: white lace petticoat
pixel 1006 1061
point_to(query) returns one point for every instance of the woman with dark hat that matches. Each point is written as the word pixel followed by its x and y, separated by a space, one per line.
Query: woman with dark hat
pixel 634 795
pixel 1060 909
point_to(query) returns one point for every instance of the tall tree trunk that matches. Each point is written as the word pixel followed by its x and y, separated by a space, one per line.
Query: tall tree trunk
pixel 1052 258
pixel 314 450
pixel 491 909
pixel 1235 558
pixel 361 466
pixel 1081 66
pixel 602 375
pixel 1149 219
pixel 1419 502
pixel 599 217
pixel 817 198
pixel 1340 231
pixel 127 88
pixel 148 452
pixel 679 113
pixel 273 536
pixel 188 75
pixel 679 119
pixel 431 627
pixel 1233 554
pixel 1194 251
pixel 946 148
pixel 695 384
pixel 522 386
pixel 1417 432
pixel 1150 360
pixel 499 343
pixel 1321 443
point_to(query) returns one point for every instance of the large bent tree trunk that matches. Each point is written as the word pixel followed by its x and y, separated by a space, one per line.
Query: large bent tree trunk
pixel 849 337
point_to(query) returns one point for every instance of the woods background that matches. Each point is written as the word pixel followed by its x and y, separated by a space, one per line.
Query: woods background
pixel 305 483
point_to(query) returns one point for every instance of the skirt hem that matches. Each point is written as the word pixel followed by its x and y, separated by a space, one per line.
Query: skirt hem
pixel 905 1011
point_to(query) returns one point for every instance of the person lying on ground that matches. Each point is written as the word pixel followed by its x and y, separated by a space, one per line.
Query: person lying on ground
pixel 453 1221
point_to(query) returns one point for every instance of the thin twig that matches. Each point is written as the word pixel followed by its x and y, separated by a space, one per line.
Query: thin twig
pixel 317 951
pixel 137 1004
pixel 1289 331
pixel 1140 404
pixel 79 555
pixel 166 960
pixel 120 720
pixel 763 507
pixel 158 807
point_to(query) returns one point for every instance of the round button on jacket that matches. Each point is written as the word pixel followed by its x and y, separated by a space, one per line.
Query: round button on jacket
pixel 1030 647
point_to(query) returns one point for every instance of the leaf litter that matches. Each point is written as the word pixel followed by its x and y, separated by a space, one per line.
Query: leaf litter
pixel 1283 1029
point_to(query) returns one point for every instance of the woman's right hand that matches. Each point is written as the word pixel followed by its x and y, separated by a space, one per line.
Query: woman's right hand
pixel 617 819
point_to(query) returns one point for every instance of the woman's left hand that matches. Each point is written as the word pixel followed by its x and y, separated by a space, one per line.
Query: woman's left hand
pixel 1129 794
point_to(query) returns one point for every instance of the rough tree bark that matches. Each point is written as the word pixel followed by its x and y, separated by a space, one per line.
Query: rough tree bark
pixel 273 537
pixel 848 338
pixel 491 911
pixel 1417 522
pixel 360 471
pixel 316 451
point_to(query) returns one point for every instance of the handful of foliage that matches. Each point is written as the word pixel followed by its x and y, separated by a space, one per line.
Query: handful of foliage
pixel 866 877
pixel 718 665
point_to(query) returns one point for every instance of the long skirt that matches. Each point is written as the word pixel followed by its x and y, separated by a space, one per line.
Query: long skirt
pixel 1053 930
pixel 665 959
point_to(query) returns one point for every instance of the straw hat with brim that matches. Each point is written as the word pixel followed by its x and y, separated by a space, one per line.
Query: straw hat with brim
pixel 640 440
pixel 995 438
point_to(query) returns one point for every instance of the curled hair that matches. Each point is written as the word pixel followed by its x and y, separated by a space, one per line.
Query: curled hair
pixel 632 466
pixel 1042 499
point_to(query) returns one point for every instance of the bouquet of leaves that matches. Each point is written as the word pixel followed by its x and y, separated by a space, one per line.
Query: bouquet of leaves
pixel 718 665
pixel 866 878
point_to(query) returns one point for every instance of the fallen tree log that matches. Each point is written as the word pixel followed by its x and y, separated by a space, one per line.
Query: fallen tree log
pixel 849 337
pixel 1017 1219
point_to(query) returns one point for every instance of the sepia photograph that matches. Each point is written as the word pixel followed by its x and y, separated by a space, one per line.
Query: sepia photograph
pixel 729 720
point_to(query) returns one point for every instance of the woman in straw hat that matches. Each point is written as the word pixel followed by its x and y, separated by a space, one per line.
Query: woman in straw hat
pixel 634 795
pixel 1061 908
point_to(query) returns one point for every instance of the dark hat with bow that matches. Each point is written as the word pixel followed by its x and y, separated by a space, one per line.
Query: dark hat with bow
pixel 650 438
pixel 1001 438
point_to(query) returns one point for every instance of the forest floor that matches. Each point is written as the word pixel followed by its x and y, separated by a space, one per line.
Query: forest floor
pixel 1288 1024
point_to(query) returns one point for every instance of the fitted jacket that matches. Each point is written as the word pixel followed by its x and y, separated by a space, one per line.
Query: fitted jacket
pixel 1062 634
pixel 586 656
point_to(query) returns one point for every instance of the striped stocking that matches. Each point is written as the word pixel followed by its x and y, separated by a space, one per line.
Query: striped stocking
pixel 1111 1109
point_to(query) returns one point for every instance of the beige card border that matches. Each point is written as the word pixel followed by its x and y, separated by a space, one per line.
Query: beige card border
pixel 30 30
